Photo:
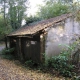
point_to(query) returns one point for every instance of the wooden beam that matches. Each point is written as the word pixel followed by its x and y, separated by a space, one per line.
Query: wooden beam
pixel 6 42
pixel 20 52
pixel 42 47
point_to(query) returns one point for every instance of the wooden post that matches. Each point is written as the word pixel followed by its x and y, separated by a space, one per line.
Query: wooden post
pixel 9 42
pixel 42 48
pixel 20 52
pixel 6 43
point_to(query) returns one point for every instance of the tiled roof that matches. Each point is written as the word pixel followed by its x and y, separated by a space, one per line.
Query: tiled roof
pixel 29 30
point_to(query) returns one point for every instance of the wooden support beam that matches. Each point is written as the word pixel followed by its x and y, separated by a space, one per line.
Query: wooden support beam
pixel 42 48
pixel 20 52
pixel 9 42
pixel 6 43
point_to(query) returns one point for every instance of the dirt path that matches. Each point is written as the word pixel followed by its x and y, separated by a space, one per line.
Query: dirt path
pixel 13 70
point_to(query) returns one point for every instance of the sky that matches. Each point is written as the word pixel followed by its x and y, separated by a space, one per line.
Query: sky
pixel 34 6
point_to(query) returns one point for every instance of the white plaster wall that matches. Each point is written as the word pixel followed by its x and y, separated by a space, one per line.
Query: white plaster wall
pixel 62 34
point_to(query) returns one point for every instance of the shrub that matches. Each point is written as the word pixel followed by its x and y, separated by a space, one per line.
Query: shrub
pixel 31 63
pixel 76 78
pixel 78 16
pixel 63 62
pixel 32 19
pixel 60 63
pixel 6 53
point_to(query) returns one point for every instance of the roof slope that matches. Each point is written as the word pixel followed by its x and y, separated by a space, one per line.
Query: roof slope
pixel 29 30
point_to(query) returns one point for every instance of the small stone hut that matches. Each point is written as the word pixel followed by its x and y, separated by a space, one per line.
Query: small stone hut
pixel 29 41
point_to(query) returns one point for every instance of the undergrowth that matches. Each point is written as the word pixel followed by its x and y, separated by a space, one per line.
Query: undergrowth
pixel 62 63
pixel 6 53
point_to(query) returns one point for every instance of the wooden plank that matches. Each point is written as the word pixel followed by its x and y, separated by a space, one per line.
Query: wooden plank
pixel 35 50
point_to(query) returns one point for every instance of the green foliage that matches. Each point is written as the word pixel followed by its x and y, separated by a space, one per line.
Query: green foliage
pixel 78 15
pixel 16 12
pixel 32 19
pixel 52 10
pixel 63 62
pixel 5 27
pixel 6 53
pixel 60 63
pixel 76 78
pixel 29 63
pixel 62 1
